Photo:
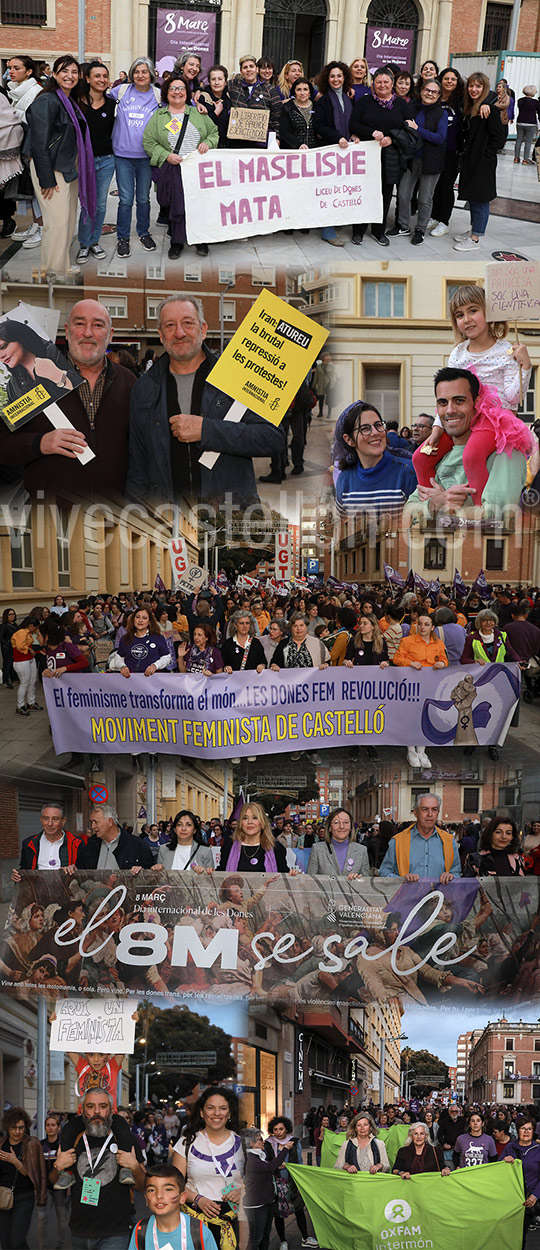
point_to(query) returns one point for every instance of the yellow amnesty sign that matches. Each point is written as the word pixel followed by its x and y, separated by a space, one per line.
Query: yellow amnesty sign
pixel 268 358
pixel 22 408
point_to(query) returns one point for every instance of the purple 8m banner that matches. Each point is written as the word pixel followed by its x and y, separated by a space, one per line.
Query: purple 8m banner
pixel 389 43
pixel 184 30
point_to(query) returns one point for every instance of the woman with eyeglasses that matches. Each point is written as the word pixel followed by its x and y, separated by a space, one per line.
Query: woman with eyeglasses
pixel 429 124
pixel 369 478
pixel 173 133
pixel 339 855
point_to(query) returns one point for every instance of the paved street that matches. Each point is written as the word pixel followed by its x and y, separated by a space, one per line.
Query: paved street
pixel 519 201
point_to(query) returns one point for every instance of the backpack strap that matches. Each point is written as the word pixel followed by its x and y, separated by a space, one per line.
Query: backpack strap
pixel 125 85
pixel 375 1152
pixel 140 1234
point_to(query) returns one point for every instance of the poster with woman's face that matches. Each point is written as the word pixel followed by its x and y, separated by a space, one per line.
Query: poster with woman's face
pixel 33 373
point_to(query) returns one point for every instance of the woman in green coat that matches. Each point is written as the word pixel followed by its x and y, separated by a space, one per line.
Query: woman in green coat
pixel 172 133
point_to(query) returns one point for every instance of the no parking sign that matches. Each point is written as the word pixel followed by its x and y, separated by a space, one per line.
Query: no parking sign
pixel 98 794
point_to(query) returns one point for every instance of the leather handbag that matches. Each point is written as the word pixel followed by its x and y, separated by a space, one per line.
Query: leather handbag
pixel 6 1197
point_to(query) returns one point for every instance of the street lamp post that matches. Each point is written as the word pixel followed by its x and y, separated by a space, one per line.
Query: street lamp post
pixel 401 1037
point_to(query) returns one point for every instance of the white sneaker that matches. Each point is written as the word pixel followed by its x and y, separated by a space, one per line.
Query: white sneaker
pixel 25 234
pixel 466 245
pixel 423 757
pixel 459 238
pixel 432 222
pixel 34 240
pixel 413 757
pixel 284 1245
pixel 439 230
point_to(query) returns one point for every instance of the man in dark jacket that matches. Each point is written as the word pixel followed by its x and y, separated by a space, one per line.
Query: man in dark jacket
pixel 54 847
pixel 99 414
pixel 451 1124
pixel 176 414
pixel 110 846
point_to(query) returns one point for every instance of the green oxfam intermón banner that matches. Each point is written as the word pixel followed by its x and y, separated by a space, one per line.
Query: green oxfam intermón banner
pixel 472 1209
pixel 393 1138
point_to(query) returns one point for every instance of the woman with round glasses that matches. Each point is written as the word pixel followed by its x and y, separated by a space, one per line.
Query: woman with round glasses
pixel 340 855
pixel 369 478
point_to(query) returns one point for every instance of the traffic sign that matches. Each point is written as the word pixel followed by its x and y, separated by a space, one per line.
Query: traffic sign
pixel 188 1059
pixel 312 567
pixel 98 794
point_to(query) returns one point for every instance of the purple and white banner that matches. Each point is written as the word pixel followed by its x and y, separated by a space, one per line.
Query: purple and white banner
pixel 184 30
pixel 260 192
pixel 300 709
pixel 386 44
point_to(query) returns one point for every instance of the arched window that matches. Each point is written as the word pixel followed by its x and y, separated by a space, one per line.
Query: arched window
pixel 295 29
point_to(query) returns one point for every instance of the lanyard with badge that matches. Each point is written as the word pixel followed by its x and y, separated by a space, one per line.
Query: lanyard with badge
pixel 91 1185
pixel 224 1172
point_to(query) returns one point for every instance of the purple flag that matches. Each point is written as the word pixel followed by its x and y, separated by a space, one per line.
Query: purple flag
pixel 459 586
pixel 480 584
pixel 160 585
pixel 391 576
pixel 420 583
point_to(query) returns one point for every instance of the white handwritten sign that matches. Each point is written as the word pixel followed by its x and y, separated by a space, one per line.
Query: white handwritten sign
pixel 513 290
pixel 104 1027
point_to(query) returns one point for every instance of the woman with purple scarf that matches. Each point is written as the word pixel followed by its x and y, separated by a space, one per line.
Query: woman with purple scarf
pixel 332 118
pixel 253 847
pixel 378 116
pixel 62 164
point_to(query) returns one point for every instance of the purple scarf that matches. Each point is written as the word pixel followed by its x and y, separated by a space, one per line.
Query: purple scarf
pixel 86 167
pixel 270 864
pixel 342 116
pixel 385 104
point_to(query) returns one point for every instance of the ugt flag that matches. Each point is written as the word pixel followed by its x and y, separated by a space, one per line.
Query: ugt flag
pixel 472 1209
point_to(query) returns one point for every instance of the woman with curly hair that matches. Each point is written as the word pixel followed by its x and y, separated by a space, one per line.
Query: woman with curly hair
pixel 23 1170
pixel 332 119
pixel 210 1157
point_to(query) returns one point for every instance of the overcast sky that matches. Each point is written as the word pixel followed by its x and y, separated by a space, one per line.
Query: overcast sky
pixel 438 1030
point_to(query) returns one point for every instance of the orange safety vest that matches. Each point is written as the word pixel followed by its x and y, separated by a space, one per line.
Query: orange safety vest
pixel 403 849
